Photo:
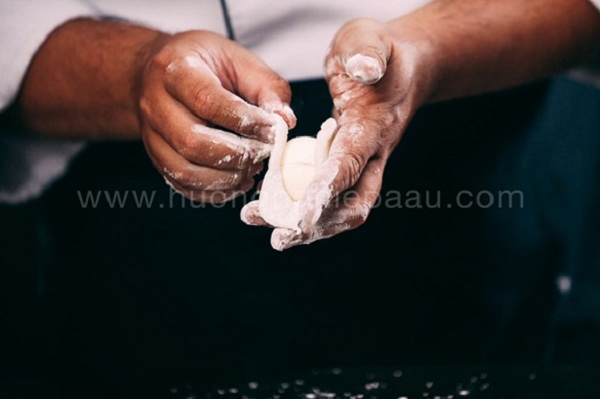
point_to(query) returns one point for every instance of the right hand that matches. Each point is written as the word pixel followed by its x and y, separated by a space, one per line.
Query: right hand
pixel 378 77
pixel 205 107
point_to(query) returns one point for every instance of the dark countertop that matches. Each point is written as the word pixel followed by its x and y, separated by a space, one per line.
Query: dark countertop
pixel 429 382
pixel 511 382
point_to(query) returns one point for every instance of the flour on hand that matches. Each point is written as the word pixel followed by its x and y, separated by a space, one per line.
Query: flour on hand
pixel 292 166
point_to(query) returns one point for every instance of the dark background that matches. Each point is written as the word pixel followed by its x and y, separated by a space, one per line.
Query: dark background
pixel 185 291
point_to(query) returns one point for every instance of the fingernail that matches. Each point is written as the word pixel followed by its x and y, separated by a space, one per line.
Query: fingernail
pixel 244 214
pixel 288 114
pixel 364 69
pixel 248 213
pixel 282 239
pixel 283 110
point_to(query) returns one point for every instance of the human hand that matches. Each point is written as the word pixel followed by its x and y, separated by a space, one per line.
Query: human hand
pixel 205 107
pixel 377 78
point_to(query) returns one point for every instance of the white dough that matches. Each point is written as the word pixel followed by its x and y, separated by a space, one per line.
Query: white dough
pixel 298 164
pixel 292 167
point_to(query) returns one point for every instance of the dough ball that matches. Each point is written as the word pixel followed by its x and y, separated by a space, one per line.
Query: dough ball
pixel 298 164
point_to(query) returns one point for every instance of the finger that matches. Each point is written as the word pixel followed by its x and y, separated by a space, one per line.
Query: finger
pixel 354 144
pixel 197 87
pixel 198 143
pixel 210 197
pixel 191 176
pixel 363 49
pixel 356 204
pixel 281 109
pixel 282 239
pixel 250 214
pixel 260 85
pixel 350 211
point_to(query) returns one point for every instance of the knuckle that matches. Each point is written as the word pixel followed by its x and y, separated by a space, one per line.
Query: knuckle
pixel 352 162
pixel 184 143
pixel 161 62
pixel 145 107
pixel 203 99
pixel 280 85
pixel 242 123
pixel 244 159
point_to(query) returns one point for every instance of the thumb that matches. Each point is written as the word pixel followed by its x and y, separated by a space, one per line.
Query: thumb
pixel 363 49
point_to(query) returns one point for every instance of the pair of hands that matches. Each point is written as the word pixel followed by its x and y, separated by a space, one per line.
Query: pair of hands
pixel 206 116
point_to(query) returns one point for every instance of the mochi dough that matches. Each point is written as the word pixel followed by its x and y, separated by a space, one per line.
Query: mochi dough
pixel 298 165
pixel 291 168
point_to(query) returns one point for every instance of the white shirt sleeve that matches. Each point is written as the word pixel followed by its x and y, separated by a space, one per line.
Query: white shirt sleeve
pixel 29 165
pixel 596 3
pixel 24 26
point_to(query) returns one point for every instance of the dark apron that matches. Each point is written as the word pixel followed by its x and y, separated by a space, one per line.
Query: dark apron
pixel 178 288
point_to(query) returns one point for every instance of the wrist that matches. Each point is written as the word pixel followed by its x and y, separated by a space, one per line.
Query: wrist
pixel 96 97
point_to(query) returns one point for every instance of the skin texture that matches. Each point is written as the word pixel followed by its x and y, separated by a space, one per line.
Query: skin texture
pixel 176 93
pixel 379 74
pixel 205 129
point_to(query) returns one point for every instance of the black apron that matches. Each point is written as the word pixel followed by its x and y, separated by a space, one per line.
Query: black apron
pixel 486 202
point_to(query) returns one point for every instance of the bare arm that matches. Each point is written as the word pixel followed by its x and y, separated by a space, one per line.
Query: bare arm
pixel 484 45
pixel 380 74
pixel 200 102
pixel 85 80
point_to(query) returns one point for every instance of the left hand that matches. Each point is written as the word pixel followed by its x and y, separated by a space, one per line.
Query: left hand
pixel 375 76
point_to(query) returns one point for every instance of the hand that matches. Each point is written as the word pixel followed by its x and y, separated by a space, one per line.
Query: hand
pixel 377 78
pixel 205 105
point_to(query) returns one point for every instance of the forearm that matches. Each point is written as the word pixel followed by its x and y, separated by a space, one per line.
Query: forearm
pixel 478 46
pixel 83 82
